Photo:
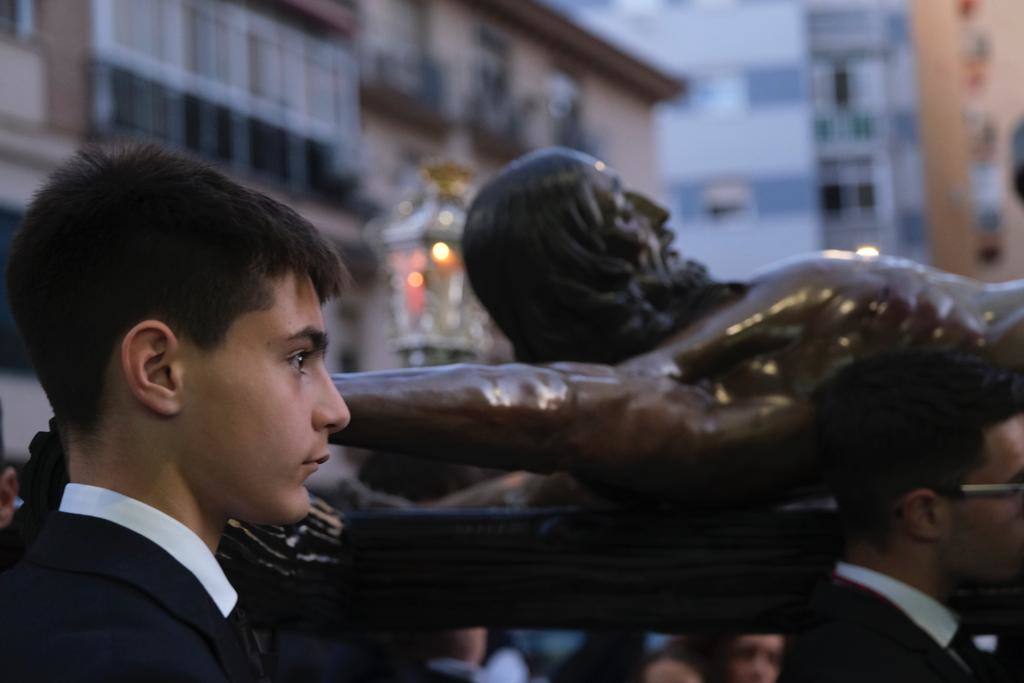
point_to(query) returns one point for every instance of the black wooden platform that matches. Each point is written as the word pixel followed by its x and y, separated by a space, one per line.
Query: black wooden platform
pixel 558 568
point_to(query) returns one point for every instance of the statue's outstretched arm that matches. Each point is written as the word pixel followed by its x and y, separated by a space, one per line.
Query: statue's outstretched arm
pixel 649 435
pixel 810 316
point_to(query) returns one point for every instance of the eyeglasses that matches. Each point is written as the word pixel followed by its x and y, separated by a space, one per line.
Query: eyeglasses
pixel 966 491
pixel 984 491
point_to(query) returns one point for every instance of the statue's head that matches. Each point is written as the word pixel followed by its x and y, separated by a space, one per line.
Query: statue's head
pixel 571 266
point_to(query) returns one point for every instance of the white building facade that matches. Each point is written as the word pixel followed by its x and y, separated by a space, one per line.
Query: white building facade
pixel 798 130
pixel 737 149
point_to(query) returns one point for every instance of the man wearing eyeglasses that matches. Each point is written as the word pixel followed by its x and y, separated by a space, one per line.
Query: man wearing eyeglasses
pixel 925 454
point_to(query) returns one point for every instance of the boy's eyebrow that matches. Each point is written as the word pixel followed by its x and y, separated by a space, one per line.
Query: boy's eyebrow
pixel 316 337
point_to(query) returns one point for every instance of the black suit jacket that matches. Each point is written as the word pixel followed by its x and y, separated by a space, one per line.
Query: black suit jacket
pixel 94 601
pixel 860 637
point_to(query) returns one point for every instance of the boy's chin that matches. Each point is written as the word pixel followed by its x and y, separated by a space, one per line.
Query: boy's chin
pixel 286 512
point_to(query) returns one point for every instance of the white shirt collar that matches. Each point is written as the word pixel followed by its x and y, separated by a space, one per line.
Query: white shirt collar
pixel 178 540
pixel 934 618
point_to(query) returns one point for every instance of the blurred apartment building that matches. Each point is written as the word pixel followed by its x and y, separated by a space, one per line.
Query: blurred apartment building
pixel 798 130
pixel 327 105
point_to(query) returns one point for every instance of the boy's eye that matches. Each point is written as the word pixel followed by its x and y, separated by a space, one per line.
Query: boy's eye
pixel 298 360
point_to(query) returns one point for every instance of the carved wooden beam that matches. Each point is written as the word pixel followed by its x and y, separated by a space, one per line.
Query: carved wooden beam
pixel 558 568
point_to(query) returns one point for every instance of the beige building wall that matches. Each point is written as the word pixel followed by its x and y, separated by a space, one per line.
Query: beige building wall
pixel 626 128
pixel 1000 98
pixel 970 67
pixel 949 210
pixel 22 81
pixel 64 30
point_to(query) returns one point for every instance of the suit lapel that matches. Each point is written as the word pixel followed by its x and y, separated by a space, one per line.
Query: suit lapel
pixel 948 668
pixel 874 613
pixel 79 543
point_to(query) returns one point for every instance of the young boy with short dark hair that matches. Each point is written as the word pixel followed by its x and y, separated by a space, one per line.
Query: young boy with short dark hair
pixel 174 320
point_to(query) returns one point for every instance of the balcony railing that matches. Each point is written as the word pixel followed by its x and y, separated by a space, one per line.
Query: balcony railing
pixel 502 117
pixel 847 29
pixel 408 71
pixel 847 127
pixel 128 103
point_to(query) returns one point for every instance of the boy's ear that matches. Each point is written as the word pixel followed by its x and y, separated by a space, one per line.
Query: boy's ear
pixel 151 366
pixel 923 514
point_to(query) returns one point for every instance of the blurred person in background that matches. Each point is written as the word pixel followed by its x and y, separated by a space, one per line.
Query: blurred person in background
pixel 11 545
pixel 673 662
pixel 745 658
pixel 8 492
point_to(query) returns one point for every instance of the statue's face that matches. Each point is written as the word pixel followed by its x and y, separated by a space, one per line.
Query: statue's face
pixel 634 226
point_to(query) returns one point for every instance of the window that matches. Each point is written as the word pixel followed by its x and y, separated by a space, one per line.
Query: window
pixel 841 86
pixel 321 76
pixel 269 145
pixel 266 68
pixel 16 17
pixel 846 83
pixel 139 25
pixel 847 189
pixel 987 192
pixel 493 69
pixel 208 41
pixel 727 201
pixel 141 105
pixel 719 94
pixel 565 109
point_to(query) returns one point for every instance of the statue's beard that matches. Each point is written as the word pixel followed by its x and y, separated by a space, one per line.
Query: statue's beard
pixel 682 295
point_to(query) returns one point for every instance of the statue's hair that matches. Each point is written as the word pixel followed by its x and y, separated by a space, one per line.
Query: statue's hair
pixel 538 259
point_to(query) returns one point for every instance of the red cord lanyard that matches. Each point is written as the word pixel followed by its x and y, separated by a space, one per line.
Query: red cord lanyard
pixel 843 581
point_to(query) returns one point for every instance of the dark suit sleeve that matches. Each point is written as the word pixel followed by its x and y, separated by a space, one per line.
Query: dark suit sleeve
pixel 149 674
pixel 796 673
pixel 125 644
pixel 841 653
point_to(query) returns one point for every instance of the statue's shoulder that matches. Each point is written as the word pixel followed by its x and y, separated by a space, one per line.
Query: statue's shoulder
pixel 834 263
